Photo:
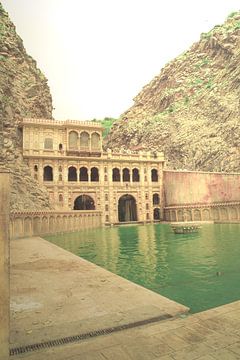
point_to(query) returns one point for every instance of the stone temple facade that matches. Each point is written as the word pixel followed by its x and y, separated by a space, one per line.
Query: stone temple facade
pixel 67 157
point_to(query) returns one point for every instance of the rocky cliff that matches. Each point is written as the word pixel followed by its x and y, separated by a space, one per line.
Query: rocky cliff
pixel 23 93
pixel 191 109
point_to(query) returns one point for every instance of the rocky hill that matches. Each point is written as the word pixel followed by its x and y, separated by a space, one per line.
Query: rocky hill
pixel 191 110
pixel 23 93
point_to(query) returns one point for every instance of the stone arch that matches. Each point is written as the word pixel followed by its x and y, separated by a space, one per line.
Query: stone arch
pixel 72 173
pixel 73 140
pixel 154 175
pixel 135 175
pixel 83 174
pixel 95 141
pixel 156 199
pixel 18 227
pixel 188 215
pixel 59 223
pixel 223 212
pixel 205 214
pixel 126 174
pixel 197 215
pixel 27 226
pixel 47 173
pixel 180 215
pixel 173 215
pixel 84 202
pixel 215 213
pixel 156 214
pixel 94 174
pixel 116 175
pixel 84 140
pixel 45 228
pixel 233 215
pixel 36 225
pixel 52 224
pixel 127 208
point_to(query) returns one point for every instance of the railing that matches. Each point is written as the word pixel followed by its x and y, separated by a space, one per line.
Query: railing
pixel 61 122
pixel 26 224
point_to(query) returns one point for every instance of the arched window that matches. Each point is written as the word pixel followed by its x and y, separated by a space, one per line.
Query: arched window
pixel 60 147
pixel 135 175
pixel 84 140
pixel 60 198
pixel 126 174
pixel 95 141
pixel 47 173
pixel 72 173
pixel 115 174
pixel 94 174
pixel 84 202
pixel 73 140
pixel 83 174
pixel 35 168
pixel 156 199
pixel 154 175
pixel 48 144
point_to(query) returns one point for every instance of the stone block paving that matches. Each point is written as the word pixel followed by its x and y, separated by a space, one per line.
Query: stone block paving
pixel 213 334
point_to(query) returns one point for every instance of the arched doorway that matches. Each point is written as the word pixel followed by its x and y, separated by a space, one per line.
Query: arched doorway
pixel 84 202
pixel 127 208
pixel 156 214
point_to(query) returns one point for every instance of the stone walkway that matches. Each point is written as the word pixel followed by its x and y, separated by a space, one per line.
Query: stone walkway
pixel 56 294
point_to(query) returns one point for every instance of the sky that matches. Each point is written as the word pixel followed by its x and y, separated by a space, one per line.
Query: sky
pixel 98 54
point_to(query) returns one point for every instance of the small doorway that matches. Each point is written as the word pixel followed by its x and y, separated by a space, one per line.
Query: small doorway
pixel 156 214
pixel 127 208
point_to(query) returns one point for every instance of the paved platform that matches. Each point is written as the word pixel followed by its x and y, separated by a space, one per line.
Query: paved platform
pixel 209 335
pixel 56 294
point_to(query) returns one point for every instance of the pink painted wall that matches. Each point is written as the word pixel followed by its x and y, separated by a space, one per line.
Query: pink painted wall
pixel 182 187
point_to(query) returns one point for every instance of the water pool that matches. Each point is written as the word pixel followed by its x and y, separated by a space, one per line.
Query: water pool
pixel 199 270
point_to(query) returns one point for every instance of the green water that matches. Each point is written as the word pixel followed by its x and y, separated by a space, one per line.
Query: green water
pixel 199 270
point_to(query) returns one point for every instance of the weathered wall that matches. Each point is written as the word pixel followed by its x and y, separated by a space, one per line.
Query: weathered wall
pixel 4 266
pixel 25 224
pixel 183 187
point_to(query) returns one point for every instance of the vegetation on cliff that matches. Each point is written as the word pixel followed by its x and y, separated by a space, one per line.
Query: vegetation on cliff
pixel 191 109
pixel 23 93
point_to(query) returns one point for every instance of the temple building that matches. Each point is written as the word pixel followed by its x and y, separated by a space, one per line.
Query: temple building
pixel 68 158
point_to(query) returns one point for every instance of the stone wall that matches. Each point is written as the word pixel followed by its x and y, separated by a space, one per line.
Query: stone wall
pixel 201 196
pixel 188 187
pixel 26 224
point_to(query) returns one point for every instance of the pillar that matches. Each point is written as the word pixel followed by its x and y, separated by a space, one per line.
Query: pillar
pixel 4 265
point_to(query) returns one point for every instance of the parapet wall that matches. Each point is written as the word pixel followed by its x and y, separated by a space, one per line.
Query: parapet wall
pixel 187 187
pixel 26 224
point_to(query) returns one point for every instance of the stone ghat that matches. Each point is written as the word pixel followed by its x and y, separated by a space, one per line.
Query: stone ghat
pixel 26 224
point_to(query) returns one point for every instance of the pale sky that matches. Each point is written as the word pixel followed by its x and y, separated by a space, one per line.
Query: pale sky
pixel 98 54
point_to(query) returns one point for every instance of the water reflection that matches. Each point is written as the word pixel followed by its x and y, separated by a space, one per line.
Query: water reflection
pixel 199 270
